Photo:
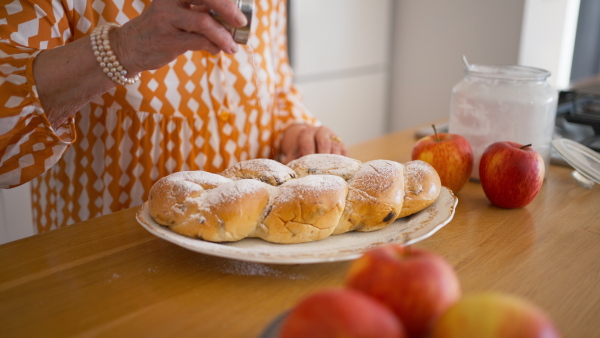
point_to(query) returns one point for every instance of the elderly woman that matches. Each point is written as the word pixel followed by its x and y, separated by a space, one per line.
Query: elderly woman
pixel 99 99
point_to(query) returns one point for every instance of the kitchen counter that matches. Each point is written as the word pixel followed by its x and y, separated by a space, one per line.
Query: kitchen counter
pixel 110 277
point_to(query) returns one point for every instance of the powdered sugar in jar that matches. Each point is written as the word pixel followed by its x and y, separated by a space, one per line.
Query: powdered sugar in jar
pixel 504 103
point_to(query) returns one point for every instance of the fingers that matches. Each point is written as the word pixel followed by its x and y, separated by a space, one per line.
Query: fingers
pixel 338 147
pixel 306 141
pixel 289 142
pixel 324 140
pixel 301 140
pixel 328 142
pixel 196 42
pixel 226 9
pixel 204 27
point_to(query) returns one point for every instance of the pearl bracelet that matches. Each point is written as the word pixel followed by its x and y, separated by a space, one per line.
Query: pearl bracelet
pixel 106 57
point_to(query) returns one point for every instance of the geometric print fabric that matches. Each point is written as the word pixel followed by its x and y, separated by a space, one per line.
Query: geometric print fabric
pixel 201 111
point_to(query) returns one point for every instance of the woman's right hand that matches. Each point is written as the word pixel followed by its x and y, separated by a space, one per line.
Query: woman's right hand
pixel 169 28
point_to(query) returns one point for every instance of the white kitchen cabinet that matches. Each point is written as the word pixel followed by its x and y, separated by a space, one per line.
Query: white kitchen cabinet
pixel 340 55
pixel 354 107
pixel 15 213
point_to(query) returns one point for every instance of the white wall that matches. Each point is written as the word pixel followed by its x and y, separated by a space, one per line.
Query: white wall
pixel 548 37
pixel 430 36
pixel 15 213
pixel 340 54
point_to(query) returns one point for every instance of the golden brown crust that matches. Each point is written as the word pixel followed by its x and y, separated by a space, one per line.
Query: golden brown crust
pixel 422 186
pixel 262 169
pixel 329 198
pixel 325 164
pixel 228 212
pixel 375 197
pixel 173 198
pixel 306 209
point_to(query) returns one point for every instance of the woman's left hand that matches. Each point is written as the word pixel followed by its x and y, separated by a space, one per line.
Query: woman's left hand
pixel 301 139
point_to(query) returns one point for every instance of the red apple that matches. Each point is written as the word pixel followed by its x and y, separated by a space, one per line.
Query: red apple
pixel 449 154
pixel 416 284
pixel 340 313
pixel 511 174
pixel 494 315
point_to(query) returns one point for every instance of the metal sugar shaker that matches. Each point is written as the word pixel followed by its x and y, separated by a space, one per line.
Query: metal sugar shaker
pixel 240 34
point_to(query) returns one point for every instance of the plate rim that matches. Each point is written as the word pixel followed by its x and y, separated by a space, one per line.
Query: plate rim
pixel 243 254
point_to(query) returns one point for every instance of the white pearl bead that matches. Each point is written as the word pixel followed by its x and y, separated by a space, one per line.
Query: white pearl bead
pixel 106 58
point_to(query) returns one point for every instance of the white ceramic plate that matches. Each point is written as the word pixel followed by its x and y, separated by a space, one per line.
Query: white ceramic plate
pixel 342 247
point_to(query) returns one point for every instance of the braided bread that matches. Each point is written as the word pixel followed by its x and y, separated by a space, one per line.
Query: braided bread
pixel 311 198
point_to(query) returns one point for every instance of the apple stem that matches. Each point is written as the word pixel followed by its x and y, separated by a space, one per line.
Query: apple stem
pixel 437 139
pixel 525 146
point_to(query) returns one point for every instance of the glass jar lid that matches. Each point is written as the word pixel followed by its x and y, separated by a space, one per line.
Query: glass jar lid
pixel 581 158
pixel 508 72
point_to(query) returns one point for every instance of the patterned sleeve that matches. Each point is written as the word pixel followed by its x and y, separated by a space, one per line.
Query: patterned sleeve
pixel 28 143
pixel 290 109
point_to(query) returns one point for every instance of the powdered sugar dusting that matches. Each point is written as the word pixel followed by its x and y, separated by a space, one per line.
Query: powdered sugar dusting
pixel 313 184
pixel 340 247
pixel 414 174
pixel 379 174
pixel 234 190
pixel 203 178
pixel 266 170
pixel 256 269
pixel 325 164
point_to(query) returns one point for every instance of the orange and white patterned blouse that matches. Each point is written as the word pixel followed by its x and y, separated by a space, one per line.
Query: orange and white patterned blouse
pixel 198 112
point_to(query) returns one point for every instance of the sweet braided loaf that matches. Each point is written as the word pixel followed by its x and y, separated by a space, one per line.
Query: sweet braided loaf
pixel 310 199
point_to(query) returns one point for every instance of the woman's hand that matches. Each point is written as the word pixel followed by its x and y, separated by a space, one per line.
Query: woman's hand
pixel 169 28
pixel 164 30
pixel 300 139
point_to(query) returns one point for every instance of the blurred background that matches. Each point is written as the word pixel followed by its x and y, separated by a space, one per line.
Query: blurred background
pixel 367 68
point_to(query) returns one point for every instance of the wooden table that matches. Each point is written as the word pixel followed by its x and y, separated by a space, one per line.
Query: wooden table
pixel 110 277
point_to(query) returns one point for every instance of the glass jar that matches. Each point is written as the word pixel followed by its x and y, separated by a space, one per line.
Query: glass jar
pixel 504 103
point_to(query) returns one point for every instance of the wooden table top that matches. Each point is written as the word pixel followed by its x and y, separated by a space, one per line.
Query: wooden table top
pixel 110 277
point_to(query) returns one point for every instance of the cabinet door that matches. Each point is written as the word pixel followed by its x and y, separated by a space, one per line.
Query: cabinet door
pixel 15 213
pixel 335 35
pixel 353 107
pixel 340 55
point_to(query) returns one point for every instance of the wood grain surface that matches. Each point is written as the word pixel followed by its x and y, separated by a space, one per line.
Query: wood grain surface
pixel 109 277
